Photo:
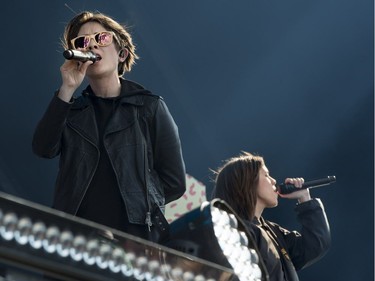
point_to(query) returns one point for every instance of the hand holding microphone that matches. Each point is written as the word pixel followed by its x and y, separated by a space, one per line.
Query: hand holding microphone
pixel 73 71
pixel 284 188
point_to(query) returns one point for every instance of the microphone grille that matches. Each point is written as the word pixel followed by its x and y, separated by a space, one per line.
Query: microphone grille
pixel 68 54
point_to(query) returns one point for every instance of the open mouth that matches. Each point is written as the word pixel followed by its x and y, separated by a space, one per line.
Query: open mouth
pixel 98 57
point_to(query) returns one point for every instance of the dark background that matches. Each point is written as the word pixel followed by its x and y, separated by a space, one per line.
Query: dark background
pixel 290 80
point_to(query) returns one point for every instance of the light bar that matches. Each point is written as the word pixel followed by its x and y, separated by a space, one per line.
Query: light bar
pixel 50 240
pixel 215 233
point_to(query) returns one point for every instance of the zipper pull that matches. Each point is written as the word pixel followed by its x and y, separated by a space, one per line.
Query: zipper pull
pixel 148 220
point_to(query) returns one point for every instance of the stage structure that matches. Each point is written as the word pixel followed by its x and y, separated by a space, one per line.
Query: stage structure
pixel 38 243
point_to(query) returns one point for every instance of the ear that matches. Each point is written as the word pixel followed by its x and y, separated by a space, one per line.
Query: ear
pixel 123 54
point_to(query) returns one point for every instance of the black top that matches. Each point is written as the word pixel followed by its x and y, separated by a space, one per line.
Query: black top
pixel 104 190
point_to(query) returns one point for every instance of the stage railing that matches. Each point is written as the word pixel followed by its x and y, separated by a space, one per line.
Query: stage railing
pixel 46 244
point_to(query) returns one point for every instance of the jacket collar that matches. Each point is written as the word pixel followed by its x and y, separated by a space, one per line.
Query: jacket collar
pixel 131 93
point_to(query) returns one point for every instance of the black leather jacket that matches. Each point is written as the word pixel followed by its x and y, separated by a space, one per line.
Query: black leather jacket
pixel 142 142
pixel 285 252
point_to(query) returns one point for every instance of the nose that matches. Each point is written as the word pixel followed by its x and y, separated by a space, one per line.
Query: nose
pixel 273 181
pixel 92 44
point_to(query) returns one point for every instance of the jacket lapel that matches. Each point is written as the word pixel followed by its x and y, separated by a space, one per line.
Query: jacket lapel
pixel 83 119
pixel 84 122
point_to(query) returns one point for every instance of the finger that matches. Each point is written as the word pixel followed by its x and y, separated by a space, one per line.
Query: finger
pixel 302 181
pixel 83 66
pixel 297 182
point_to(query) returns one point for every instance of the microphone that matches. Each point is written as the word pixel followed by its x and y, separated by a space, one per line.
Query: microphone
pixel 80 56
pixel 289 188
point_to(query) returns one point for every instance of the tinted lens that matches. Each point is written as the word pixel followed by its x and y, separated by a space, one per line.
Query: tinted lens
pixel 80 42
pixel 103 38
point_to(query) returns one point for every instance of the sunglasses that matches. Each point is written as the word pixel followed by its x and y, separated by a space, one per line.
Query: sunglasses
pixel 103 38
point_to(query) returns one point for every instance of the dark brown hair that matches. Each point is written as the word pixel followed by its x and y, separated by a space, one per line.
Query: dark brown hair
pixel 123 39
pixel 236 183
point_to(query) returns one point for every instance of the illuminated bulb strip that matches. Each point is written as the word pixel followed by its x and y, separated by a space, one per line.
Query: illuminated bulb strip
pixel 176 273
pixel 127 271
pixel 233 221
pixel 23 231
pixel 234 237
pixel 140 270
pixel 65 243
pixel 128 268
pixel 102 260
pixel 165 270
pixel 79 248
pixel 188 276
pixel 235 245
pixel 220 217
pixel 245 254
pixel 50 239
pixel 37 235
pixel 256 272
pixel 8 226
pixel 199 278
pixel 243 239
pixel 117 260
pixel 254 257
pixel 154 268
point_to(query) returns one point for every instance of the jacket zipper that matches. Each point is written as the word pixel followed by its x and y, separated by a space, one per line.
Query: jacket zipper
pixel 148 220
pixel 96 166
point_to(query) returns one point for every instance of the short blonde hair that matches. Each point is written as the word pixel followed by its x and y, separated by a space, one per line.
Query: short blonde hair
pixel 123 39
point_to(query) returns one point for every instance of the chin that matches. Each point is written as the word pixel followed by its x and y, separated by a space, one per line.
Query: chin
pixel 275 204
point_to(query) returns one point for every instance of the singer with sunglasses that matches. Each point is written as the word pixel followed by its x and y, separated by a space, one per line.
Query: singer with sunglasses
pixel 120 156
pixel 245 183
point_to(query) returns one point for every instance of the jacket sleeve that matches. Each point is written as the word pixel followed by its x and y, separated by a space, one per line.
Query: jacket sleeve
pixel 269 258
pixel 314 239
pixel 168 160
pixel 46 141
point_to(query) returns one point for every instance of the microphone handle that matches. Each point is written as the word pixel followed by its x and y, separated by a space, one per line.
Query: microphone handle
pixel 289 188
pixel 70 54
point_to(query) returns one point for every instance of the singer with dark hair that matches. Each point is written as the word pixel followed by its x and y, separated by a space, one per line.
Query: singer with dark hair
pixel 245 183
pixel 120 156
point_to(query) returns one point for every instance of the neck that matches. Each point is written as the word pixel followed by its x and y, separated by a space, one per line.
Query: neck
pixel 106 87
pixel 258 211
